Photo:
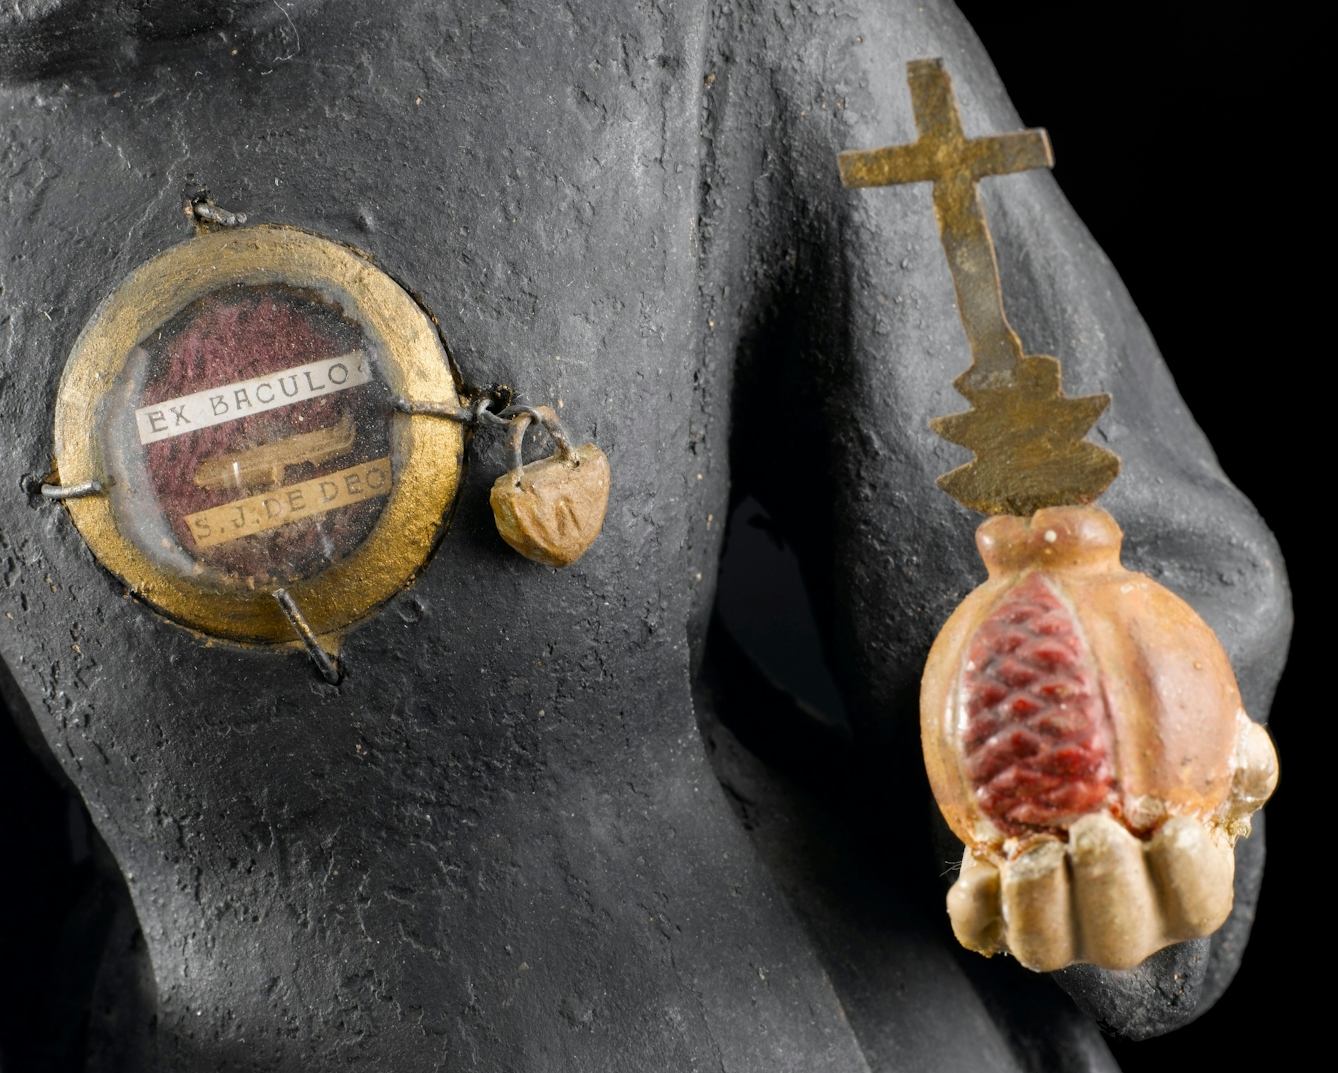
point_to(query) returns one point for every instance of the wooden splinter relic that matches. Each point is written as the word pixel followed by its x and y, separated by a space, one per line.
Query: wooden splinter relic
pixel 265 465
pixel 1082 727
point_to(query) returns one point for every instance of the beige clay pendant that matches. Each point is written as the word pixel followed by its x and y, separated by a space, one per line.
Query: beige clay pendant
pixel 551 510
pixel 1082 728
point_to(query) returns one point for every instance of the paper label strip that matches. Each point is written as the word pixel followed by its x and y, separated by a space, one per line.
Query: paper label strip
pixel 291 503
pixel 228 402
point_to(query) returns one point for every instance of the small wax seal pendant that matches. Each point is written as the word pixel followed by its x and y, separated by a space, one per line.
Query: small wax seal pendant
pixel 551 510
pixel 1084 737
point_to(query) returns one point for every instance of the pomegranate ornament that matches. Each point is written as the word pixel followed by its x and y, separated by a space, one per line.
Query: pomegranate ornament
pixel 1085 739
pixel 1082 727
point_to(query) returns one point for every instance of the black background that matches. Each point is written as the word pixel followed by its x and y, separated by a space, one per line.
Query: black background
pixel 1180 132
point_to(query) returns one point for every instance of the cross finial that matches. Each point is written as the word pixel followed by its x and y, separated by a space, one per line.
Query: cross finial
pixel 1026 434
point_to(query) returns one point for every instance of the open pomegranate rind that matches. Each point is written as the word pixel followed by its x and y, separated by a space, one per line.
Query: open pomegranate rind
pixel 1165 685
pixel 1066 699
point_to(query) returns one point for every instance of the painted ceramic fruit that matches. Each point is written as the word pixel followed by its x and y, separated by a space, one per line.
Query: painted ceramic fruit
pixel 1085 739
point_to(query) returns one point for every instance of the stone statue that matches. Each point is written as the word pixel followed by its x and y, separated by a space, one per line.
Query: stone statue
pixel 501 841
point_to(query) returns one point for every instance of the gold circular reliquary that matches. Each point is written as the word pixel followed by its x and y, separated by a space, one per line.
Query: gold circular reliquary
pixel 234 399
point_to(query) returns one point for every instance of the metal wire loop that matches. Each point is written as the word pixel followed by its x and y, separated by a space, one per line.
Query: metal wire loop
pixel 72 491
pixel 214 215
pixel 436 409
pixel 328 668
pixel 483 413
pixel 515 441
pixel 521 417
pixel 518 417
pixel 475 414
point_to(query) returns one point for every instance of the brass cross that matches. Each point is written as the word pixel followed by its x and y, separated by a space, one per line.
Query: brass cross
pixel 1026 434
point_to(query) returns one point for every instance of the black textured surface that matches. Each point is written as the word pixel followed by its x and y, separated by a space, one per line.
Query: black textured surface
pixel 417 869
pixel 814 805
pixel 1118 999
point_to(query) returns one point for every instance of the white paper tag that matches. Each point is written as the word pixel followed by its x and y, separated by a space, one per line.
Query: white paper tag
pixel 217 405
pixel 291 503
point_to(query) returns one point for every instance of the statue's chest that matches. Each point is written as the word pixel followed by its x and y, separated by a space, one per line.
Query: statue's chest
pixel 533 189
pixel 533 181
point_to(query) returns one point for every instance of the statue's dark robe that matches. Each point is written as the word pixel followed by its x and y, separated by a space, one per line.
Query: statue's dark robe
pixel 633 209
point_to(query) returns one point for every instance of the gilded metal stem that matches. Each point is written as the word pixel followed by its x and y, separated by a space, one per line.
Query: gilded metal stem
pixel 1027 435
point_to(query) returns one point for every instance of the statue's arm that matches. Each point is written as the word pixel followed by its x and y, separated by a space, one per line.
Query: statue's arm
pixel 848 338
